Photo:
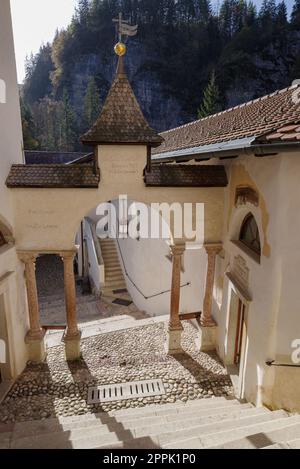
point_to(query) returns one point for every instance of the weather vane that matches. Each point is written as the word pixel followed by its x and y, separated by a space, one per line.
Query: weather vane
pixel 123 29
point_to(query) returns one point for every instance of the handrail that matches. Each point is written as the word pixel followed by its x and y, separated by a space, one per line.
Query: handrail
pixel 273 363
pixel 134 284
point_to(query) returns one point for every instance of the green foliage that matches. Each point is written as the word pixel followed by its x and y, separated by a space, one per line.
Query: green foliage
pixel 211 96
pixel 29 141
pixel 91 104
pixel 179 43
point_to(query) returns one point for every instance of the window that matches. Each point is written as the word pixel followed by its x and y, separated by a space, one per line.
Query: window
pixel 249 234
pixel 2 239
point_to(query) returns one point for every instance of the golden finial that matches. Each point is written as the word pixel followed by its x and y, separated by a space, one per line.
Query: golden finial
pixel 124 29
pixel 120 49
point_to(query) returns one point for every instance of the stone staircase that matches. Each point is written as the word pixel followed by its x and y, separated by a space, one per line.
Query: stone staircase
pixel 208 423
pixel 114 278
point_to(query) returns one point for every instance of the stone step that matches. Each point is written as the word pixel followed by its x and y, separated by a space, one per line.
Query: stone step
pixel 278 446
pixel 177 407
pixel 59 302
pixel 112 276
pixel 240 437
pixel 294 444
pixel 263 437
pixel 113 433
pixel 102 423
pixel 126 439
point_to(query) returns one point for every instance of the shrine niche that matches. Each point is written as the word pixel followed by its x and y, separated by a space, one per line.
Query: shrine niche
pixel 246 194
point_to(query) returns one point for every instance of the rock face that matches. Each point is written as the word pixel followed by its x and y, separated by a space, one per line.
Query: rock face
pixel 162 110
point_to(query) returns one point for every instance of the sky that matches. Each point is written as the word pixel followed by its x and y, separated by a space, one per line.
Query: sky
pixel 35 22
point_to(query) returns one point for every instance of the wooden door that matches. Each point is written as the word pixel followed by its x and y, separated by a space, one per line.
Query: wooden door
pixel 239 334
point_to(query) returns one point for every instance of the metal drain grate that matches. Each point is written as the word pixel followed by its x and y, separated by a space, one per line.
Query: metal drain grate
pixel 131 390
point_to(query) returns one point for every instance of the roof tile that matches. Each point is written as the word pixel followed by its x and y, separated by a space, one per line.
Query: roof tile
pixel 53 176
pixel 258 118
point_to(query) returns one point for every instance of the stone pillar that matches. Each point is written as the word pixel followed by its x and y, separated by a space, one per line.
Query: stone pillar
pixel 175 327
pixel 208 327
pixel 35 335
pixel 72 335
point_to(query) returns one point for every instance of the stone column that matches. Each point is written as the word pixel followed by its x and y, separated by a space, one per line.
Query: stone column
pixel 72 335
pixel 208 326
pixel 35 335
pixel 175 327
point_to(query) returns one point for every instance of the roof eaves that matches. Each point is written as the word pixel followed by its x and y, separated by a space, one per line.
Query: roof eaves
pixel 204 150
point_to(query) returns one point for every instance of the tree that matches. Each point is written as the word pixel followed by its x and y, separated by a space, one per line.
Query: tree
pixel 29 141
pixel 210 98
pixel 91 104
pixel 68 124
pixel 295 17
pixel 281 19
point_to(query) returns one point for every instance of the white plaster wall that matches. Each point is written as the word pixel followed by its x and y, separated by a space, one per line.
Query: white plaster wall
pixel 273 314
pixel 10 120
pixel 11 152
pixel 48 219
pixel 147 271
pixel 150 270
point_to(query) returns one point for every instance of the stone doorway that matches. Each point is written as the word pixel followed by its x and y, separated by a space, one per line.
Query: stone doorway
pixel 5 369
pixel 236 342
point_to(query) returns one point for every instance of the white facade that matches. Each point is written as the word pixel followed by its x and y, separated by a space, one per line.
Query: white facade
pixel 13 312
pixel 269 289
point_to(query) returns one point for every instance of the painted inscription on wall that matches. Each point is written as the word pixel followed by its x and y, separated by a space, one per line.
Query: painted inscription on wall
pixel 240 271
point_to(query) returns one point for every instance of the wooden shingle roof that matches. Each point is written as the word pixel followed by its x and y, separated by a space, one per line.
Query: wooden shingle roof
pixel 257 118
pixel 177 175
pixel 121 120
pixel 53 176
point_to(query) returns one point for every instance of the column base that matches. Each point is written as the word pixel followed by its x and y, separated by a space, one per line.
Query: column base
pixel 206 341
pixel 36 347
pixel 72 347
pixel 173 342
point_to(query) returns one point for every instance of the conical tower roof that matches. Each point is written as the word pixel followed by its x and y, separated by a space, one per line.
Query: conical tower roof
pixel 121 120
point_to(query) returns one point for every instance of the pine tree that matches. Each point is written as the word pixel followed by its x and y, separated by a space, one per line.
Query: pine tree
pixel 68 124
pixel 210 98
pixel 29 141
pixel 281 19
pixel 205 10
pixel 295 17
pixel 91 104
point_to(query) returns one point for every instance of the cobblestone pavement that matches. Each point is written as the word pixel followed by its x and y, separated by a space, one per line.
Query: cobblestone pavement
pixel 50 283
pixel 57 388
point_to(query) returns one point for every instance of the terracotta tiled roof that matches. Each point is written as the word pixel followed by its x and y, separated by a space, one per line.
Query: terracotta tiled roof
pixel 176 175
pixel 287 133
pixel 53 176
pixel 253 119
pixel 121 119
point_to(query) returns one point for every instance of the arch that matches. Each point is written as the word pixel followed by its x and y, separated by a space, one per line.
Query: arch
pixel 249 234
pixel 6 236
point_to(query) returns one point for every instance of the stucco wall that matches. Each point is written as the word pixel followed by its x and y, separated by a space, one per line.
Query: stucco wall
pixel 11 270
pixel 48 219
pixel 10 121
pixel 273 314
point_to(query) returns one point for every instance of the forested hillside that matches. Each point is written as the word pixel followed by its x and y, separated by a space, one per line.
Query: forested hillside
pixel 182 46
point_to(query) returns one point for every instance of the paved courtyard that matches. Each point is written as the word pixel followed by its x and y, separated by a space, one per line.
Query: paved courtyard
pixel 57 388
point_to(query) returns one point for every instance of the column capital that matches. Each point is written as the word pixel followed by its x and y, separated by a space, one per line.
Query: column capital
pixel 28 256
pixel 177 249
pixel 213 248
pixel 68 254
